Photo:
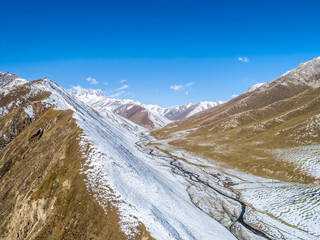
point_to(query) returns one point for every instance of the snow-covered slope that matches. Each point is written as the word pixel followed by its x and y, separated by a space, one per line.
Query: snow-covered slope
pixel 180 112
pixel 254 87
pixel 142 186
pixel 148 115
pixel 9 81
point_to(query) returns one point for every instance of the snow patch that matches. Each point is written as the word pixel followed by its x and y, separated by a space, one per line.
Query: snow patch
pixel 29 111
pixel 254 87
pixel 306 158
pixel 295 205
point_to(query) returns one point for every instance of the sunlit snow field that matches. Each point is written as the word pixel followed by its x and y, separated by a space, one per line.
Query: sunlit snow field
pixel 292 208
pixel 306 158
pixel 285 210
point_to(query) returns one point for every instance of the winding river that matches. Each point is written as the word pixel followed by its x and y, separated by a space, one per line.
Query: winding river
pixel 196 178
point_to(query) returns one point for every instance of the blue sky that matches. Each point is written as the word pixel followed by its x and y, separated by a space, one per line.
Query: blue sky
pixel 168 52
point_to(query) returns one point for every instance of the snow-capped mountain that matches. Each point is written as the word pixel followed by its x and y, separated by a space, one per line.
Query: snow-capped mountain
pixel 180 112
pixel 256 86
pixel 59 158
pixel 9 81
pixel 147 115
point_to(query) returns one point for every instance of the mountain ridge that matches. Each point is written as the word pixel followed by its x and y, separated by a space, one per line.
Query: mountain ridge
pixel 147 115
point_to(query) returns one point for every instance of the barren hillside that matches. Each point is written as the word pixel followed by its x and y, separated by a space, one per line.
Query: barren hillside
pixel 248 131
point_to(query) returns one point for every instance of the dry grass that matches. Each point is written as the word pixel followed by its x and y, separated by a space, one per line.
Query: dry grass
pixel 42 193
pixel 136 114
pixel 241 133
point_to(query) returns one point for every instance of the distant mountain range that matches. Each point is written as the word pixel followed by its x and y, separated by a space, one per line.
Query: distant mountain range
pixel 146 115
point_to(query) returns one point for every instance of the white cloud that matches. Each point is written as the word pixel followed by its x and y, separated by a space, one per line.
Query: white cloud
pixel 187 92
pixel 105 83
pixel 117 94
pixel 243 59
pixel 77 88
pixel 234 96
pixel 189 84
pixel 123 87
pixel 122 81
pixel 92 80
pixel 176 87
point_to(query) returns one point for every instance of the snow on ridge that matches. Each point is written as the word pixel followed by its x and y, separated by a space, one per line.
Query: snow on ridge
pixel 305 70
pixel 204 105
pixel 303 75
pixel 256 86
pixel 198 107
pixel 157 114
pixel 29 111
pixel 109 104
pixel 9 81
pixel 142 185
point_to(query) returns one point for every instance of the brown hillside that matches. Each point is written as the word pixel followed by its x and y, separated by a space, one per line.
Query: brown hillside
pixel 244 131
pixel 42 191
pixel 136 114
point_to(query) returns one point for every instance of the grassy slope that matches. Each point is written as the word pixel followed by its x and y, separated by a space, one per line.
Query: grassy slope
pixel 242 132
pixel 42 193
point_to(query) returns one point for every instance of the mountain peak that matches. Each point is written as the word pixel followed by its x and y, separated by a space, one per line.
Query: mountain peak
pixel 256 86
pixel 304 74
pixel 10 80
pixel 6 77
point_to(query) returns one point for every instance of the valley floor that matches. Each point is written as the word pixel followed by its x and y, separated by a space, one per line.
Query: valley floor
pixel 281 210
